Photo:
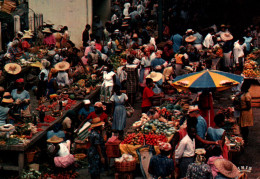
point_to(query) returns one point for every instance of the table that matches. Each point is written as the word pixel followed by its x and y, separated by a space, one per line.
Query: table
pixel 21 149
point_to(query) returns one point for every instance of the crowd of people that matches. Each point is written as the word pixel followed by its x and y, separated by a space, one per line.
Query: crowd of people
pixel 146 72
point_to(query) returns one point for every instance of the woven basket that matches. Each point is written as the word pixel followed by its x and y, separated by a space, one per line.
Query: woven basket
pixel 125 166
pixel 80 156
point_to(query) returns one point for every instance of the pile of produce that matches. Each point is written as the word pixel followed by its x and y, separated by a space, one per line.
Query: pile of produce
pixel 158 127
pixel 134 139
pixel 153 139
pixel 254 55
pixel 251 69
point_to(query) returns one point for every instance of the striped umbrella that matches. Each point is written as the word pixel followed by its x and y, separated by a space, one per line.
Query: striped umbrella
pixel 206 81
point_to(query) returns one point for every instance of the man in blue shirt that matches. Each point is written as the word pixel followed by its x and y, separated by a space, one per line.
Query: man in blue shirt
pixel 202 124
pixel 177 41
pixel 161 166
pixel 158 64
pixel 86 110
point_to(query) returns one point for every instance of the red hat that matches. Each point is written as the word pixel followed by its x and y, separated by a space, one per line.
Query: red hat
pixel 20 80
pixel 165 146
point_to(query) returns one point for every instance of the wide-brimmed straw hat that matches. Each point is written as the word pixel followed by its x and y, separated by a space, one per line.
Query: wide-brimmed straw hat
pixel 190 38
pixel 62 66
pixel 55 139
pixel 13 68
pixel 26 36
pixel 226 168
pixel 97 122
pixel 7 98
pixel 47 30
pixel 86 101
pixel 155 76
pixel 226 36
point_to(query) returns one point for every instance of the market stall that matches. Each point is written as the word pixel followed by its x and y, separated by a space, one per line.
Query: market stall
pixel 22 143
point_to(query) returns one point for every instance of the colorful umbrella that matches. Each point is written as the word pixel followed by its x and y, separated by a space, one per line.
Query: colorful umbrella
pixel 206 81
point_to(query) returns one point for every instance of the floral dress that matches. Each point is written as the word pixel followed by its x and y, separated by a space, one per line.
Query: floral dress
pixel 95 166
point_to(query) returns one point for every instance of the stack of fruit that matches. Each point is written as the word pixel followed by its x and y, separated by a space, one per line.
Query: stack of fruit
pixel 251 69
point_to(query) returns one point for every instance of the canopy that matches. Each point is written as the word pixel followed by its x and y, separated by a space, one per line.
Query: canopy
pixel 206 81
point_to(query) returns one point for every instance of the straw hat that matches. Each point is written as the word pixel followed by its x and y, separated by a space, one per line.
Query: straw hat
pixel 7 98
pixel 62 66
pixel 226 168
pixel 189 31
pixel 190 38
pixel 47 30
pixel 200 151
pixel 55 139
pixel 155 76
pixel 193 108
pixel 26 36
pixel 226 36
pixel 29 32
pixel 97 122
pixel 13 68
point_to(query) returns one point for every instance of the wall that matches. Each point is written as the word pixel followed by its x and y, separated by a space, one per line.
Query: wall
pixel 72 13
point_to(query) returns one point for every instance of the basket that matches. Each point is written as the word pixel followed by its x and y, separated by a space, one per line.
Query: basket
pixel 80 156
pixel 125 166
pixel 30 156
pixel 112 150
pixel 82 145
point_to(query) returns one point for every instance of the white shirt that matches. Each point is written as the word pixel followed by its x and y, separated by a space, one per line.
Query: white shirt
pixel 63 79
pixel 108 78
pixel 186 148
pixel 208 41
pixel 238 51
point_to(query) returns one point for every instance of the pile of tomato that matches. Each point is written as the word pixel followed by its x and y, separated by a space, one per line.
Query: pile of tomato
pixel 64 175
pixel 134 139
pixel 154 139
pixel 49 119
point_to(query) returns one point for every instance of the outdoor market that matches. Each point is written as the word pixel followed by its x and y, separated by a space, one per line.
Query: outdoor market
pixel 149 92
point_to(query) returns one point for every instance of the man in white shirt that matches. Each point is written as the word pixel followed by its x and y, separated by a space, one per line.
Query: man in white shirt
pixel 238 53
pixel 208 41
pixel 185 152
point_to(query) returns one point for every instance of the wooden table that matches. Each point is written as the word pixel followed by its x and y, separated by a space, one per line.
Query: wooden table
pixel 22 148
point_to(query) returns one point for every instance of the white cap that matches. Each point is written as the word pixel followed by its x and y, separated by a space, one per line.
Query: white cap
pixel 86 101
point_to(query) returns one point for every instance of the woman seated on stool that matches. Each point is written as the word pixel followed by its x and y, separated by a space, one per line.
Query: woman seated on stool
pixel 60 151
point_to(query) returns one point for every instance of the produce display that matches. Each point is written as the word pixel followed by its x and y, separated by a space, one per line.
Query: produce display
pixel 134 139
pixel 251 69
pixel 154 139
pixel 158 127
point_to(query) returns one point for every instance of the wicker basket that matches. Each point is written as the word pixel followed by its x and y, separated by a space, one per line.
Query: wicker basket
pixel 80 156
pixel 125 166
pixel 112 150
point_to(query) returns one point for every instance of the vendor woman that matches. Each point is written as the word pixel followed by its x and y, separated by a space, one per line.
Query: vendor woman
pixel 21 98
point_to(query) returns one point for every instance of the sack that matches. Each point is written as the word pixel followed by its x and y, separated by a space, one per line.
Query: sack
pixel 64 162
pixel 129 111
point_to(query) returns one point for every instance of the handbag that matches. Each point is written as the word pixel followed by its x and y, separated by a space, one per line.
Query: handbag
pixel 129 111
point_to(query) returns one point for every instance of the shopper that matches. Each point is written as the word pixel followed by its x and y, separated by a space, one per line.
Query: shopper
pixel 119 116
pixel 97 159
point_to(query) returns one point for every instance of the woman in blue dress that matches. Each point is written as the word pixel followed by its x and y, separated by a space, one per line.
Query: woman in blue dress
pixel 119 118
